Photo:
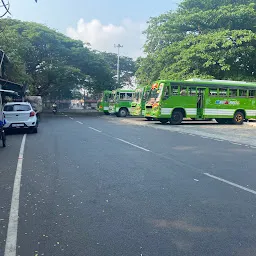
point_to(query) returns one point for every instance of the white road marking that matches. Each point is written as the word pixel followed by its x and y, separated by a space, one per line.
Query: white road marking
pixel 196 180
pixel 219 140
pixel 11 240
pixel 66 115
pixel 79 122
pixel 133 145
pixel 94 129
pixel 231 183
pixel 234 143
pixel 71 118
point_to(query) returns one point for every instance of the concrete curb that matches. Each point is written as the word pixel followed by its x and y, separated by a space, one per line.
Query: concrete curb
pixel 250 124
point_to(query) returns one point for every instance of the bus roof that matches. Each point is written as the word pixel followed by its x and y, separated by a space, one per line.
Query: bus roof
pixel 212 83
pixel 122 90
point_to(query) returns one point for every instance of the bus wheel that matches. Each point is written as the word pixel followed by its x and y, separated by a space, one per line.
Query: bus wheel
pixel 164 121
pixel 122 112
pixel 106 113
pixel 238 118
pixel 177 117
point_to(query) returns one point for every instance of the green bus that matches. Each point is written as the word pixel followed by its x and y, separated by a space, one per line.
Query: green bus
pixel 120 103
pixel 225 101
pixel 103 104
pixel 139 100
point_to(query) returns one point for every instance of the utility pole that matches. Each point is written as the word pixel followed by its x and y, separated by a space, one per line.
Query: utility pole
pixel 118 61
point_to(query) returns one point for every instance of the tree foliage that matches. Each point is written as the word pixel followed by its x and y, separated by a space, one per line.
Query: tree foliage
pixel 52 64
pixel 127 66
pixel 203 38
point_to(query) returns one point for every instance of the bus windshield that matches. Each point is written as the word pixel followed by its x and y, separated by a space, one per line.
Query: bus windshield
pixel 107 97
pixel 155 92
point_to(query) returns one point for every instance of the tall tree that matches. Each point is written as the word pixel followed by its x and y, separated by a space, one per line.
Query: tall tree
pixel 127 67
pixel 203 38
pixel 50 62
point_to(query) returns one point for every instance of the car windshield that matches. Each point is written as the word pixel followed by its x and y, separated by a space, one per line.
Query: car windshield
pixel 17 107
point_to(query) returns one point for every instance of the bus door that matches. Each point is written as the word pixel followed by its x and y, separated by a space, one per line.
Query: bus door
pixel 200 102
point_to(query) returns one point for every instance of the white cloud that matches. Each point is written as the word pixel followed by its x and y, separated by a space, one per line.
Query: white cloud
pixel 103 37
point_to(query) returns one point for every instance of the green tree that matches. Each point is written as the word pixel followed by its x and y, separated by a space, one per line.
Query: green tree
pixel 203 38
pixel 127 67
pixel 50 62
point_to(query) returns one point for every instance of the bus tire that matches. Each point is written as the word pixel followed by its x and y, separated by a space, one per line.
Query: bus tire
pixel 164 121
pixel 122 112
pixel 106 113
pixel 177 117
pixel 238 118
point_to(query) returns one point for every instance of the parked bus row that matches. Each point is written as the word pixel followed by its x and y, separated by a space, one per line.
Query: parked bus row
pixel 172 101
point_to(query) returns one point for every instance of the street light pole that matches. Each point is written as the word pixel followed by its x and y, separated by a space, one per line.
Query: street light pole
pixel 118 62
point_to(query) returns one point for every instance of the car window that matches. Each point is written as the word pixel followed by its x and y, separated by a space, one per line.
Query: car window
pixel 17 107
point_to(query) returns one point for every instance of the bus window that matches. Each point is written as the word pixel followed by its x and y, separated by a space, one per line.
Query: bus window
pixel 166 92
pixel 174 90
pixel 242 93
pixel 122 96
pixel 192 91
pixel 129 96
pixel 232 92
pixel 223 92
pixel 252 93
pixel 213 92
pixel 183 91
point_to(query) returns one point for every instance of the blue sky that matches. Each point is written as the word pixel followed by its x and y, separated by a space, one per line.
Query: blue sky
pixel 99 22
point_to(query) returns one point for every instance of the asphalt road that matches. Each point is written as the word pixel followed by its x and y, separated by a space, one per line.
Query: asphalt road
pixel 98 186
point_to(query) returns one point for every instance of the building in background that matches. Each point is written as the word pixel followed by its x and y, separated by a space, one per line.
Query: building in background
pixel 5 84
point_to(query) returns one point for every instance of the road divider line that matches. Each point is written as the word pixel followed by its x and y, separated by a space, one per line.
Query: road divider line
pixel 234 143
pixel 136 146
pixel 71 118
pixel 231 183
pixel 94 129
pixel 11 240
pixel 79 122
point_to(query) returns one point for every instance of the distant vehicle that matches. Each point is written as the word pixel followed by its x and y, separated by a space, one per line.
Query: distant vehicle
pixel 139 100
pixel 103 103
pixel 54 109
pixel 225 101
pixel 120 102
pixel 20 115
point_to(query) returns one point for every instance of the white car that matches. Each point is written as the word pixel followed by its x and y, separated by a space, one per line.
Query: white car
pixel 20 115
